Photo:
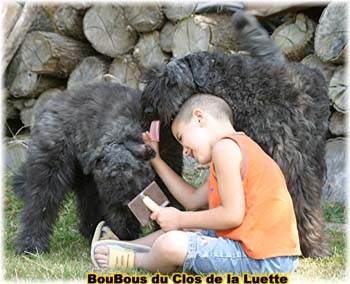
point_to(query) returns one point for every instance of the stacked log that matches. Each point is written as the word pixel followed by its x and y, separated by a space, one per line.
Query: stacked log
pixel 90 70
pixel 167 37
pixel 148 51
pixel 108 30
pixel 330 41
pixel 24 83
pixel 52 47
pixel 145 18
pixel 330 47
pixel 69 21
pixel 53 54
pixel 16 31
pixel 295 37
pixel 125 70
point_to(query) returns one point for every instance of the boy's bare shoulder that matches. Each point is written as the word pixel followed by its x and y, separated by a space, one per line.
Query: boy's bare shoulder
pixel 226 149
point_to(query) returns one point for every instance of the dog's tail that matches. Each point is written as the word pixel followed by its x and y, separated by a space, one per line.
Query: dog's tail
pixel 252 37
pixel 19 183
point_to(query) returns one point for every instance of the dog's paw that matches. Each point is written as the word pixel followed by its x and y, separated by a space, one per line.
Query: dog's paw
pixel 149 152
pixel 30 249
pixel 143 151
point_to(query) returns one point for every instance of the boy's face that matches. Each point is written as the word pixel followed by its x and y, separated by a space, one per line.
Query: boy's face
pixel 194 138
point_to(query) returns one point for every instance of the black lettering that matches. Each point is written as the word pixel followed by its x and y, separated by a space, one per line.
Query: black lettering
pixel 263 279
pixel 273 278
pixel 232 279
pixel 198 279
pixel 91 278
pixel 139 279
pixel 210 278
pixel 118 278
pixel 184 278
pixel 155 278
pixel 246 279
pixel 190 279
pixel 177 278
pixel 159 278
pixel 284 279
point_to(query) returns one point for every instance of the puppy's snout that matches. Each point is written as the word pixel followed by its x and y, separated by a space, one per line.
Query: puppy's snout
pixel 149 111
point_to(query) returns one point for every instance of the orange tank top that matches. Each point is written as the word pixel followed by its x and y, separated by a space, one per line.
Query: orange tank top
pixel 269 226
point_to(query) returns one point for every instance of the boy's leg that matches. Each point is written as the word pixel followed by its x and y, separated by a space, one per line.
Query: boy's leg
pixel 149 239
pixel 168 252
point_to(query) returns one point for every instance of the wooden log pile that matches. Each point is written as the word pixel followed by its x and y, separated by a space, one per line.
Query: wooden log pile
pixel 50 47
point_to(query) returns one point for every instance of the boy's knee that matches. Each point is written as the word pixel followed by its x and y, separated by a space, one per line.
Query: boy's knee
pixel 172 244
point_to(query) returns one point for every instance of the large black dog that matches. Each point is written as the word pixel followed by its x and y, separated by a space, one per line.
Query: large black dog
pixel 87 140
pixel 283 106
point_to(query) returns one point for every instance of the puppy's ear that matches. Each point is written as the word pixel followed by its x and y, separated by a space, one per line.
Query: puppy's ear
pixel 142 151
pixel 200 66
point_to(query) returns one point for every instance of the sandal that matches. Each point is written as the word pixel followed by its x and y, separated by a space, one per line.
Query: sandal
pixel 103 232
pixel 121 253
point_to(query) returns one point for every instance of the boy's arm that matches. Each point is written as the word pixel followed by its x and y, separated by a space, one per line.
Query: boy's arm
pixel 227 158
pixel 190 197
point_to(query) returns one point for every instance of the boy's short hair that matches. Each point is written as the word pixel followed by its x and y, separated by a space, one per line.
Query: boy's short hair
pixel 215 106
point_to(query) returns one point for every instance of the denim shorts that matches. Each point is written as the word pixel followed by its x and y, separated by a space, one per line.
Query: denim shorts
pixel 208 253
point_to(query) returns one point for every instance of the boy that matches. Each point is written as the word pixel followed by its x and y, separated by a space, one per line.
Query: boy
pixel 250 225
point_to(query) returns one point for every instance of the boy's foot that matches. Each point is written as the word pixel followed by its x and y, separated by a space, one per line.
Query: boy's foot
pixel 101 256
pixel 114 257
pixel 115 254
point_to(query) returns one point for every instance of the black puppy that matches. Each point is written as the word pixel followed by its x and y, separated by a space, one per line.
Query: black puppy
pixel 87 140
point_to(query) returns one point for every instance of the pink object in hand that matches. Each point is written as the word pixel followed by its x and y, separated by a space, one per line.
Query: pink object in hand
pixel 154 130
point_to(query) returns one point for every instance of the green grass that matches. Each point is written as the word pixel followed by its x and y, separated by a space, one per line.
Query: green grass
pixel 69 258
pixel 331 268
pixel 334 213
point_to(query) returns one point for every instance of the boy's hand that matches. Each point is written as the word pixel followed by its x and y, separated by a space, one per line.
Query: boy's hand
pixel 146 136
pixel 168 218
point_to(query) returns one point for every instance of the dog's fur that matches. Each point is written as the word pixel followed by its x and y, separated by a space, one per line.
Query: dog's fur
pixel 87 140
pixel 283 106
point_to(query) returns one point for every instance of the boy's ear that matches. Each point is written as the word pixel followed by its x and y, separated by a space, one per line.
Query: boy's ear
pixel 142 151
pixel 198 115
